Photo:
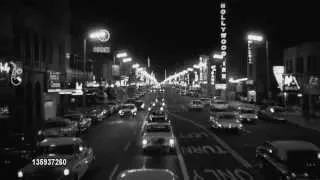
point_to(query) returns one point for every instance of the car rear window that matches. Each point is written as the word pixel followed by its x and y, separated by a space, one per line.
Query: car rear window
pixel 64 149
pixel 158 128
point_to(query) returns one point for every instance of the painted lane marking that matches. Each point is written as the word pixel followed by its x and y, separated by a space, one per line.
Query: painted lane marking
pixel 239 158
pixel 116 167
pixel 127 146
pixel 182 163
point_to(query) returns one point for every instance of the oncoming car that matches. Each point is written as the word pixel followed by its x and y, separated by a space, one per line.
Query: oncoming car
pixel 128 110
pixel 225 121
pixel 147 174
pixel 196 105
pixel 158 136
pixel 59 158
pixel 247 115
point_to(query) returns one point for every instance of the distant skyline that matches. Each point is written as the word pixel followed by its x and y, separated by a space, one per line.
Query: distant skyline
pixel 173 34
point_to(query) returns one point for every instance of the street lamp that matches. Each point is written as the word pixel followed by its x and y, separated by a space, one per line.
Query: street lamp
pixel 259 38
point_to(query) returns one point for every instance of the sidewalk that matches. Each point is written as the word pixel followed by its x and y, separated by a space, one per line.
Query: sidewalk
pixel 294 117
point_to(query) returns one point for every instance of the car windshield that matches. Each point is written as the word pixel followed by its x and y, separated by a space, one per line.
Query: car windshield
pixel 158 119
pixel 128 106
pixel 63 149
pixel 227 116
pixel 55 124
pixel 158 128
pixel 196 102
pixel 157 113
pixel 247 111
pixel 220 102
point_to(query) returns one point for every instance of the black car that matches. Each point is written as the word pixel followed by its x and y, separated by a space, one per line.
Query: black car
pixel 97 114
pixel 139 103
pixel 289 159
pixel 15 152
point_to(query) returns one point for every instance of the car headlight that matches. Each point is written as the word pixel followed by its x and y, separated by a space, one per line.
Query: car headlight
pixel 318 155
pixel 20 174
pixel 255 117
pixel 121 112
pixel 144 142
pixel 39 132
pixel 240 125
pixel 153 104
pixel 66 172
pixel 142 106
pixel 219 125
pixel 163 104
pixel 171 142
pixel 149 109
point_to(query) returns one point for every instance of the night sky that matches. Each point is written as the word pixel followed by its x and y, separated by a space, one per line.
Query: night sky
pixel 174 34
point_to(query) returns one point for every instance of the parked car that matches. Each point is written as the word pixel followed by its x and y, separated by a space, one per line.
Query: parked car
pixel 15 152
pixel 139 103
pixel 227 121
pixel 289 159
pixel 273 113
pixel 59 158
pixel 247 115
pixel 147 174
pixel 56 127
pixel 196 105
pixel 128 110
pixel 83 122
pixel 115 105
pixel 158 136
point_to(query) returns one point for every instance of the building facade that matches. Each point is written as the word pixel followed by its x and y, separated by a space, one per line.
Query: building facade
pixel 303 63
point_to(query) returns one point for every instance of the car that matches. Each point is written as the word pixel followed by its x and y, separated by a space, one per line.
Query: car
pixel 147 174
pixel 15 152
pixel 206 101
pixel 58 126
pixel 196 105
pixel 247 115
pixel 59 158
pixel 139 103
pixel 97 114
pixel 158 136
pixel 273 113
pixel 219 104
pixel 225 121
pixel 83 121
pixel 288 159
pixel 128 110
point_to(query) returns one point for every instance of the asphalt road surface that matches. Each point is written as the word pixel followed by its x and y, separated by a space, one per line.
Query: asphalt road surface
pixel 201 153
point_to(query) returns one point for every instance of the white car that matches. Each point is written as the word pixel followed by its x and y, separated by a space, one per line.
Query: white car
pixel 219 104
pixel 225 121
pixel 128 110
pixel 206 101
pixel 196 105
pixel 247 115
pixel 158 136
pixel 147 174
pixel 59 158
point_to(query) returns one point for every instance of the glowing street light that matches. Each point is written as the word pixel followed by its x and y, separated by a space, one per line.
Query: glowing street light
pixel 128 59
pixel 253 37
pixel 122 55
pixel 136 66
pixel 102 35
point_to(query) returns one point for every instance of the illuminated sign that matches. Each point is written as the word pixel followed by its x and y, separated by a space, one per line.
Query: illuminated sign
pixel 290 83
pixel 223 27
pixel 102 35
pixel 54 83
pixel 278 74
pixel 250 52
pixel 100 49
pixel 12 71
pixel 115 70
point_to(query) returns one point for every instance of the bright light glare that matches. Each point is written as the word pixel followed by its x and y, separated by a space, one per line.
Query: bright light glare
pixel 252 37
pixel 125 60
pixel 196 66
pixel 66 172
pixel 144 142
pixel 171 142
pixel 122 55
pixel 136 66
pixel 190 69
pixel 20 174
pixel 102 35
pixel 217 56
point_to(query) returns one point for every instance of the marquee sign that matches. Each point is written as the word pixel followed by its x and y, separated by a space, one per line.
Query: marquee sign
pixel 290 83
pixel 278 74
pixel 101 49
pixel 11 71
pixel 223 27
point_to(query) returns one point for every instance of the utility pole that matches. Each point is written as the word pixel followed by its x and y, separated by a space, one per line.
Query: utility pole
pixel 268 64
pixel 165 73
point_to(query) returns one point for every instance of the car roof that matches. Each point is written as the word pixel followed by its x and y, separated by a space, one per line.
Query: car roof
pixel 73 114
pixel 146 174
pixel 287 145
pixel 128 104
pixel 158 123
pixel 60 141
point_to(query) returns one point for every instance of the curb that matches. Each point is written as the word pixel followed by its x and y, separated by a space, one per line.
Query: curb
pixel 302 126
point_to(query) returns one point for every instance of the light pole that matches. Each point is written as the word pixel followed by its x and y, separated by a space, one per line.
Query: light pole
pixel 259 38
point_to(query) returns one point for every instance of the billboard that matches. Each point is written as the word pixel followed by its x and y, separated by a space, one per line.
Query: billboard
pixel 54 82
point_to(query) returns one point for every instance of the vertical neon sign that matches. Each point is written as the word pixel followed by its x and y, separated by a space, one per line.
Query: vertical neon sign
pixel 223 36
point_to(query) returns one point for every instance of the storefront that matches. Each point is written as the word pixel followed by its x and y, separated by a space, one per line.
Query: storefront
pixel 311 93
